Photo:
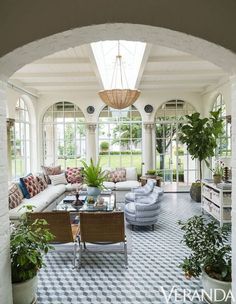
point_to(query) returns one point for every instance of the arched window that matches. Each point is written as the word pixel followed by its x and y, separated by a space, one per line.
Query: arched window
pixel 224 142
pixel 120 138
pixel 21 143
pixel 63 135
pixel 173 162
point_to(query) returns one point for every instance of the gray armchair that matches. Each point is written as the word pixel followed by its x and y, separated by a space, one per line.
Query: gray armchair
pixel 140 191
pixel 144 211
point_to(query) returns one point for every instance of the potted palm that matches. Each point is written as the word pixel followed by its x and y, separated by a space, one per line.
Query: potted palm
pixel 210 257
pixel 200 136
pixel 29 241
pixel 94 177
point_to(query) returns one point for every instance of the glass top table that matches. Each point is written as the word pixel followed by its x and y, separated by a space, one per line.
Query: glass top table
pixel 68 204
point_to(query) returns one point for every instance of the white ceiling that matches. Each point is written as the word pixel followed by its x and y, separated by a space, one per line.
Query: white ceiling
pixel 161 68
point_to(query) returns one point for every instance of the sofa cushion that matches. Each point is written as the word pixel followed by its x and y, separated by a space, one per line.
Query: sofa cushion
pixel 58 179
pixel 73 187
pixel 31 184
pixel 50 171
pixel 117 175
pixel 127 185
pixel 131 173
pixel 40 201
pixel 74 175
pixel 15 196
pixel 109 185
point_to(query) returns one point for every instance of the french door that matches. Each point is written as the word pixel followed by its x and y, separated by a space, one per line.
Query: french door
pixel 173 161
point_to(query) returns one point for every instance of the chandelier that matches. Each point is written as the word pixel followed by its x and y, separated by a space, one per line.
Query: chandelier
pixel 119 96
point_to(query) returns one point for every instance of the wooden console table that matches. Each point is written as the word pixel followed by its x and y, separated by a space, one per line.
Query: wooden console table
pixel 144 178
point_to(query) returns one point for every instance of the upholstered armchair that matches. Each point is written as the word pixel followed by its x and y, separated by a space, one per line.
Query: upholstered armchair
pixel 143 211
pixel 140 191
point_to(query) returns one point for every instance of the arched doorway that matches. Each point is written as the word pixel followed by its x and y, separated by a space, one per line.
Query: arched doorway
pixel 173 161
pixel 12 61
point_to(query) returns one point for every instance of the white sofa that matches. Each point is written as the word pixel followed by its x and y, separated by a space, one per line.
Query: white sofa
pixel 45 200
pixel 121 188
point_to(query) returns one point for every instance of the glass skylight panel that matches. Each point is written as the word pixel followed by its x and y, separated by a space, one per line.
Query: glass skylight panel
pixel 105 53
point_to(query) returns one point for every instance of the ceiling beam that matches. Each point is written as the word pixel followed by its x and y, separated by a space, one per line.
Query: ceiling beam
pixel 143 64
pixel 184 72
pixel 62 60
pixel 20 75
pixel 60 83
pixel 177 58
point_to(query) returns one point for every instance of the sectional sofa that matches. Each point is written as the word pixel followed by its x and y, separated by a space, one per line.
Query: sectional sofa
pixel 51 195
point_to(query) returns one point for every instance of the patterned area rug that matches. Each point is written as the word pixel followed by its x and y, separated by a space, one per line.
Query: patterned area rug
pixel 153 275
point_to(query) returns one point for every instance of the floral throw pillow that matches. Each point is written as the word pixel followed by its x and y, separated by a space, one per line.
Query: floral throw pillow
pixel 31 184
pixel 118 175
pixel 42 183
pixel 74 175
pixel 15 196
pixel 50 171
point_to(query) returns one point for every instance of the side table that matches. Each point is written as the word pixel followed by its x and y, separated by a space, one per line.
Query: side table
pixel 144 178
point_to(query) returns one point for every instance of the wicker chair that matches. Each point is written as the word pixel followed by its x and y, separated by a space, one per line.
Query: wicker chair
pixel 102 228
pixel 59 224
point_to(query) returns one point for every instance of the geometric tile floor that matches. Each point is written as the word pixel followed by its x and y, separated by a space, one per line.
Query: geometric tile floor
pixel 151 276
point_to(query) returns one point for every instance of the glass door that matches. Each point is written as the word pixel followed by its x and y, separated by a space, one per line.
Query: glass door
pixel 173 161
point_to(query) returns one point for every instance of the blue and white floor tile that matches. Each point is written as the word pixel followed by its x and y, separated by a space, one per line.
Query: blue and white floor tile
pixel 153 275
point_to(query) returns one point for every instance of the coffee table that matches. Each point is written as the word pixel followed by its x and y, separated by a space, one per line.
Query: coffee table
pixel 109 199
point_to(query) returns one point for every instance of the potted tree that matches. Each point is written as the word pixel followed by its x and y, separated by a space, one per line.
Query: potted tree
pixel 200 136
pixel 210 257
pixel 94 177
pixel 29 241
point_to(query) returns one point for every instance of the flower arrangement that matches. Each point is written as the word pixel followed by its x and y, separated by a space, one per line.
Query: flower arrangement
pixel 219 168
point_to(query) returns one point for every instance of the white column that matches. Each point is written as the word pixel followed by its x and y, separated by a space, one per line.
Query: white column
pixel 5 266
pixel 91 147
pixel 147 147
pixel 233 163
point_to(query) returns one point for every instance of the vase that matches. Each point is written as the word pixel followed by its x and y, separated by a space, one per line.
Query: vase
pixel 217 178
pixel 25 292
pixel 93 191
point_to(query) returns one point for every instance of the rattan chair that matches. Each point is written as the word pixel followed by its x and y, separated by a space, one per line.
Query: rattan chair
pixel 102 228
pixel 60 226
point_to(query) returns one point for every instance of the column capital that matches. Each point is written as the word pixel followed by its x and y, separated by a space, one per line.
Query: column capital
pixel 10 122
pixel 91 126
pixel 148 125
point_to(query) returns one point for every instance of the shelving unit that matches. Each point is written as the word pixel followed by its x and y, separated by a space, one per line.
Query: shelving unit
pixel 217 202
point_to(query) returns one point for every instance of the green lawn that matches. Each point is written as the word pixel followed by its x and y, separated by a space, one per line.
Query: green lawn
pixel 126 161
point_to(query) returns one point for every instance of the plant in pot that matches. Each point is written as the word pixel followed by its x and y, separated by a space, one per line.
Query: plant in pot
pixel 210 257
pixel 29 241
pixel 151 172
pixel 218 172
pixel 94 177
pixel 200 136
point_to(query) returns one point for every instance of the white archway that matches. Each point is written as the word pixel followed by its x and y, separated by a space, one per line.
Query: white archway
pixel 11 62
pixel 216 54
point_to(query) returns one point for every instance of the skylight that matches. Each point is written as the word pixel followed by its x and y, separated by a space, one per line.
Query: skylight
pixel 105 54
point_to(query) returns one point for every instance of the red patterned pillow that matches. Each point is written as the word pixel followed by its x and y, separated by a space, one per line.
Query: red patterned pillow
pixel 74 175
pixel 15 196
pixel 118 175
pixel 42 183
pixel 50 171
pixel 31 184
